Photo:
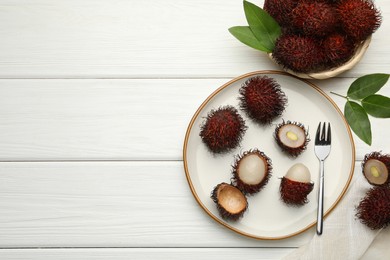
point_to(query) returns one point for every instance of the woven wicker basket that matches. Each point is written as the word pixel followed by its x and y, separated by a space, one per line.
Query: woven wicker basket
pixel 335 71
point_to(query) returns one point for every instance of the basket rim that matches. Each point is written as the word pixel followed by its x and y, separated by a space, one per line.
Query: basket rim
pixel 359 53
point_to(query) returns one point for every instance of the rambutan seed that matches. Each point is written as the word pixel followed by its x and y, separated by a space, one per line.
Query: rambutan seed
pixel 314 18
pixel 359 18
pixel 262 99
pixel 374 209
pixel 223 129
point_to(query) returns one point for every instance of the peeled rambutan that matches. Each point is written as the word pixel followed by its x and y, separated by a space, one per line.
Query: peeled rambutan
pixel 292 137
pixel 280 10
pixel 223 129
pixel 359 18
pixel 376 168
pixel 314 18
pixel 338 48
pixel 231 202
pixel 298 53
pixel 251 171
pixel 262 99
pixel 374 209
pixel 296 185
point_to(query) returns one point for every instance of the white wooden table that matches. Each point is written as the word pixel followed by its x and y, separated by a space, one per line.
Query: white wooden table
pixel 95 99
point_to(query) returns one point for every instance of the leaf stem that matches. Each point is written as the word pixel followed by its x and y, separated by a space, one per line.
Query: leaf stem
pixel 339 95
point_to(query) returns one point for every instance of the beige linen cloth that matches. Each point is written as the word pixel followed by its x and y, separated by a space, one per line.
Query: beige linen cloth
pixel 344 236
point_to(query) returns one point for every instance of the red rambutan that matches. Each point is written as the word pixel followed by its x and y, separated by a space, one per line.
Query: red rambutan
pixel 321 1
pixel 251 171
pixel 359 18
pixel 298 53
pixel 223 129
pixel 338 49
pixel 280 10
pixel 374 209
pixel 314 18
pixel 376 168
pixel 262 99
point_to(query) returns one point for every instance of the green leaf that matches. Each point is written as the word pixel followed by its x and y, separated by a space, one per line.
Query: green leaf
pixel 263 26
pixel 246 36
pixel 377 106
pixel 358 120
pixel 367 85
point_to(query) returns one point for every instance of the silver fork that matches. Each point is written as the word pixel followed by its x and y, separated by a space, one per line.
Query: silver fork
pixel 322 150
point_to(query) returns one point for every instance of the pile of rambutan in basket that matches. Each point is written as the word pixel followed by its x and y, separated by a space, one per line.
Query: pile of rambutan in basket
pixel 310 37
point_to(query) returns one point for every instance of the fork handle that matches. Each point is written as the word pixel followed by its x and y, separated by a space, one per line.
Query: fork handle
pixel 320 211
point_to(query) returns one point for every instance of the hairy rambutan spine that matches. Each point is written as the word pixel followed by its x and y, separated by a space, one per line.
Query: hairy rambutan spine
pixel 314 18
pixel 299 53
pixel 262 99
pixel 359 18
pixel 223 129
pixel 338 49
pixel 280 10
pixel 374 209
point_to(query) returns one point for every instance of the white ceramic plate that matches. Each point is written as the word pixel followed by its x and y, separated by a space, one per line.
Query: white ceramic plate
pixel 267 216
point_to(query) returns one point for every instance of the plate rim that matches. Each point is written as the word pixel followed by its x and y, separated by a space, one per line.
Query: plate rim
pixel 207 100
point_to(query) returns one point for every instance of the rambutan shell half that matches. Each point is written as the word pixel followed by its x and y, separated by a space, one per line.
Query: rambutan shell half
pixel 231 202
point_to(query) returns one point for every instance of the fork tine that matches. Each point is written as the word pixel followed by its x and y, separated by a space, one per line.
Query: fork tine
pixel 317 141
pixel 329 139
pixel 323 132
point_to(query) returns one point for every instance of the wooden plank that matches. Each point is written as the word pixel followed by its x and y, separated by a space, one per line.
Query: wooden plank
pixel 109 204
pixel 146 253
pixel 132 39
pixel 97 119
pixel 115 119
